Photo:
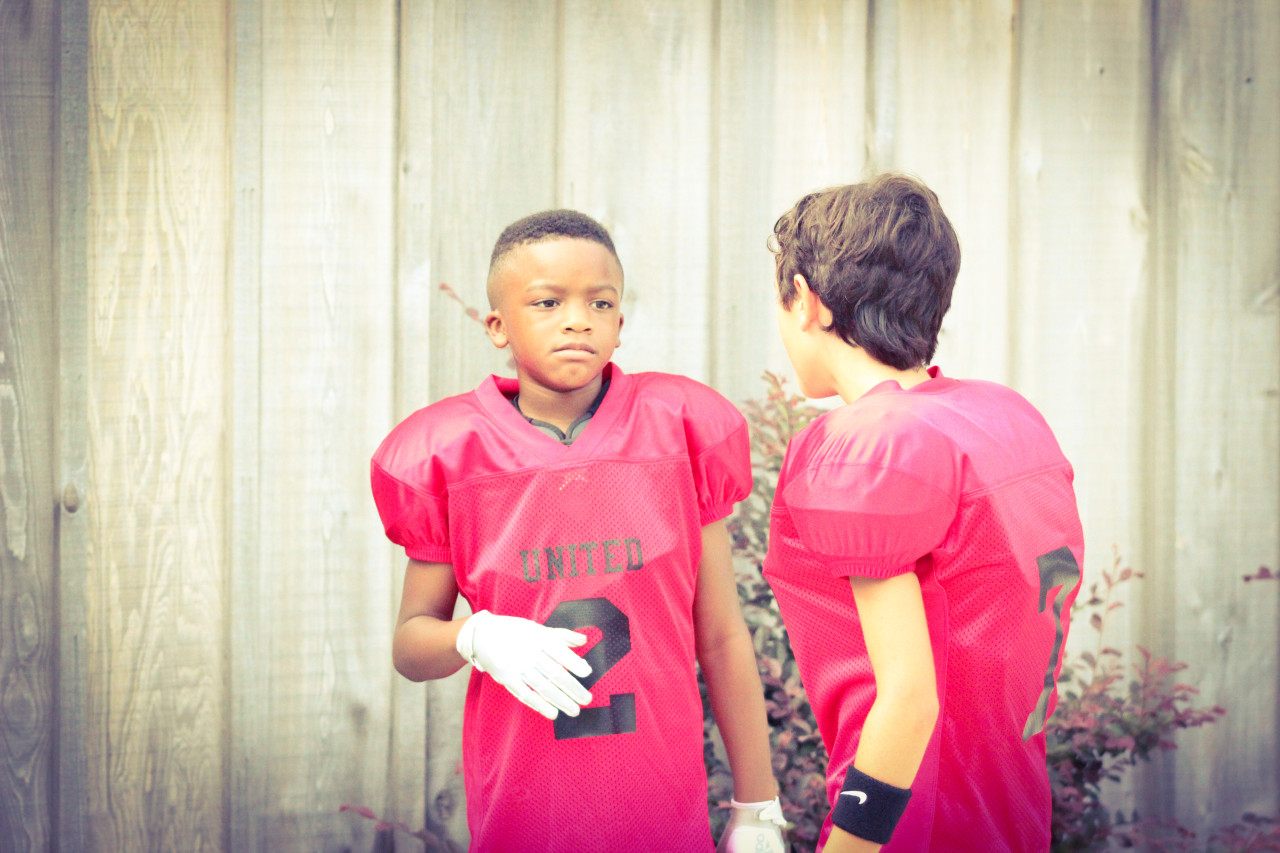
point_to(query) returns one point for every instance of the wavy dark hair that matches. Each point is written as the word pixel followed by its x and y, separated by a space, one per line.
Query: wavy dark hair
pixel 882 256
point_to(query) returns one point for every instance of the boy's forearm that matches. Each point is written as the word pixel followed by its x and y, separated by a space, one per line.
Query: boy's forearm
pixel 425 648
pixel 897 729
pixel 737 702
pixel 895 736
pixel 892 745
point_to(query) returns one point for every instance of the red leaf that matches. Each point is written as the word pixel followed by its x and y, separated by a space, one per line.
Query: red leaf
pixel 363 811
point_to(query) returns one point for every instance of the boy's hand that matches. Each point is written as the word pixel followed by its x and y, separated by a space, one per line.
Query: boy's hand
pixel 754 828
pixel 532 661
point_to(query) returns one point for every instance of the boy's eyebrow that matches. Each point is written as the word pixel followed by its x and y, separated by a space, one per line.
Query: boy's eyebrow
pixel 560 288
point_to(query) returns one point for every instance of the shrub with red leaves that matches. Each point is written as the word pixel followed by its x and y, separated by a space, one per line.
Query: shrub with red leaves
pixel 1104 725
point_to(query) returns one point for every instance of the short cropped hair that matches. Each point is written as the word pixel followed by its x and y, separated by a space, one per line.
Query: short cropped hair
pixel 547 225
pixel 882 256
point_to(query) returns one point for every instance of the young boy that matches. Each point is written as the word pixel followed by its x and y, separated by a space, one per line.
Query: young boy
pixel 575 504
pixel 924 547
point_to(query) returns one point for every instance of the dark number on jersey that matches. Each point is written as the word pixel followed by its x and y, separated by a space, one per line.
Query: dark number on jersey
pixel 615 642
pixel 1057 569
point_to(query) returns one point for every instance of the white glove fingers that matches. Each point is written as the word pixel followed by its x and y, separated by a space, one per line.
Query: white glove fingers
pixel 563 683
pixel 551 692
pixel 530 697
pixel 568 659
pixel 571 638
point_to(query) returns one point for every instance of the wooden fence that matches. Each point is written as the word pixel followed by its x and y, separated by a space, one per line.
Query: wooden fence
pixel 223 227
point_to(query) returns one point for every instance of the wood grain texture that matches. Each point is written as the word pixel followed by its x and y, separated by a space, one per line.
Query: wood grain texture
pixel 741 333
pixel 73 537
pixel 1218 204
pixel 954 77
pixel 248 620
pixel 791 113
pixel 410 783
pixel 157 243
pixel 1080 282
pixel 634 152
pixel 326 376
pixel 493 160
pixel 28 364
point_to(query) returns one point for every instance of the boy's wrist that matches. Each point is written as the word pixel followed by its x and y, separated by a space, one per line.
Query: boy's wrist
pixel 464 636
pixel 750 793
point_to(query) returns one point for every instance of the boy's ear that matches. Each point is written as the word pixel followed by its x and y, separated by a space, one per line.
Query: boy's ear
pixel 620 321
pixel 495 328
pixel 807 302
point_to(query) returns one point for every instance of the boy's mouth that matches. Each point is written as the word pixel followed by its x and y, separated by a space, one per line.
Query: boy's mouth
pixel 587 348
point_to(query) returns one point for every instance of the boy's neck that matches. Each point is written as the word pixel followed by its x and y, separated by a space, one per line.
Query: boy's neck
pixel 855 372
pixel 559 408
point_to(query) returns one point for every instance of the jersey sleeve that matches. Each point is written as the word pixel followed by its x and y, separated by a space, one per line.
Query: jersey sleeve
pixel 414 516
pixel 720 452
pixel 872 517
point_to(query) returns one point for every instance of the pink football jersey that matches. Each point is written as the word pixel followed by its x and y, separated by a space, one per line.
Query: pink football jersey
pixel 601 536
pixel 964 484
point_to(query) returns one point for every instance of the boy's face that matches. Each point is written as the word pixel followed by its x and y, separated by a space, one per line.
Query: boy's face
pixel 558 307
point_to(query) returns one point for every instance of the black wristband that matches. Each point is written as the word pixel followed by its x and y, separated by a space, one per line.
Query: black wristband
pixel 869 808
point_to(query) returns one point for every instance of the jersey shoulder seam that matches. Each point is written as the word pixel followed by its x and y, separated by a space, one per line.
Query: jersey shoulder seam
pixel 1017 478
pixel 411 487
pixel 813 466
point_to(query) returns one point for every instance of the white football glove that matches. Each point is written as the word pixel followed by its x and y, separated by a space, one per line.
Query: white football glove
pixel 754 828
pixel 531 660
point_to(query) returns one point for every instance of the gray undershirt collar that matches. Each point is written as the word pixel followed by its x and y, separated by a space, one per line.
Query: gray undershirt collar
pixel 575 428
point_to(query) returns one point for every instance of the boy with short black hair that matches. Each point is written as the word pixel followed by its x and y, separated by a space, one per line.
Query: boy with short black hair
pixel 577 499
pixel 925 546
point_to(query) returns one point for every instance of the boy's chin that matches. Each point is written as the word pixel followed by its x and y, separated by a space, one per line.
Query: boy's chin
pixel 561 383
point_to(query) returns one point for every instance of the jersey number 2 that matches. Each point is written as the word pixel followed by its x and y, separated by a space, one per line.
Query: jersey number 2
pixel 615 641
pixel 1057 569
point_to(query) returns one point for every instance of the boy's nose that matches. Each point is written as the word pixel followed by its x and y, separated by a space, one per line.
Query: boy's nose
pixel 577 318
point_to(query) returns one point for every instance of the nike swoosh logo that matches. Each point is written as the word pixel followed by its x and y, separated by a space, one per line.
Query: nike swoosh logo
pixel 862 798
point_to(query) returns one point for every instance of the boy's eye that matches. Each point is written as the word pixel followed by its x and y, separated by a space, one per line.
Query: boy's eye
pixel 602 304
pixel 546 303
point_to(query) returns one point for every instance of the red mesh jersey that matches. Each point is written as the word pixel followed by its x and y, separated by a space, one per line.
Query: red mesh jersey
pixel 602 536
pixel 964 484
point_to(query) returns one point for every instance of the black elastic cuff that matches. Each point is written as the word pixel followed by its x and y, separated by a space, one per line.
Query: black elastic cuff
pixel 869 808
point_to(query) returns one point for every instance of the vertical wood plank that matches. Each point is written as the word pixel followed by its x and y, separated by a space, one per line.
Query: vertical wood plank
pixel 742 335
pixel 409 783
pixel 821 99
pixel 247 619
pixel 72 556
pixel 326 374
pixel 954 76
pixel 1081 277
pixel 791 112
pixel 493 131
pixel 157 246
pixel 635 143
pixel 1217 186
pixel 28 361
